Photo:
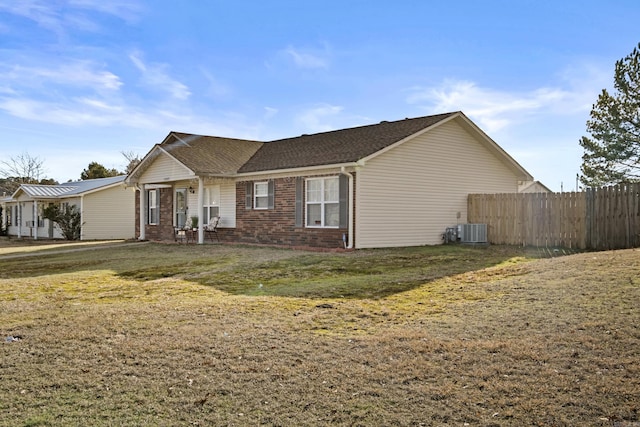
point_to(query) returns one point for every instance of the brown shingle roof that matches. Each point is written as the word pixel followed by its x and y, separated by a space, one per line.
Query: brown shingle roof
pixel 210 155
pixel 335 147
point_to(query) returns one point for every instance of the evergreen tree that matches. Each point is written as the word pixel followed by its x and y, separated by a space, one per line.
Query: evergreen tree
pixel 96 170
pixel 612 151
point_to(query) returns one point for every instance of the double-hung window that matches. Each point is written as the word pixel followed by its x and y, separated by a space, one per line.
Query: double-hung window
pixel 211 206
pixel 323 202
pixel 261 195
pixel 153 205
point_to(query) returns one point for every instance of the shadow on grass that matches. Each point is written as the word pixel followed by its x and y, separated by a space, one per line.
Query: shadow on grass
pixel 369 274
pixel 251 271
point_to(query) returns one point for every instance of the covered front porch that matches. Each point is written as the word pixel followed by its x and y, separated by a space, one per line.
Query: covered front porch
pixel 185 210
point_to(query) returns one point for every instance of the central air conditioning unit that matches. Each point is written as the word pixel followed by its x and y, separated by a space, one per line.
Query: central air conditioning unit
pixel 472 233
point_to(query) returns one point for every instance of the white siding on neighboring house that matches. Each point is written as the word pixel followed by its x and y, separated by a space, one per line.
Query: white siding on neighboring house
pixel 109 214
pixel 409 194
pixel 164 170
pixel 533 187
pixel 24 220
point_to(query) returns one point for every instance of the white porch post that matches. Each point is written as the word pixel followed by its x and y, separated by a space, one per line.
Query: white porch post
pixel 200 204
pixel 35 220
pixel 143 209
pixel 19 219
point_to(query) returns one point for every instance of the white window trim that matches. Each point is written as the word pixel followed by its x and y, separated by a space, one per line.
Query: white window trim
pixel 150 207
pixel 264 196
pixel 322 203
pixel 206 207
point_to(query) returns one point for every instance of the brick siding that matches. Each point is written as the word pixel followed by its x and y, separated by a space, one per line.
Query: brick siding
pixel 255 226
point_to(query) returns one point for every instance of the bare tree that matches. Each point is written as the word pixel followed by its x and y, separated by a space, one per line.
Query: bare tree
pixel 21 169
pixel 133 159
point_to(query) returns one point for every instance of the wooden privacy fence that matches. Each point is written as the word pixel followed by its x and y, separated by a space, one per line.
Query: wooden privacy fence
pixel 602 218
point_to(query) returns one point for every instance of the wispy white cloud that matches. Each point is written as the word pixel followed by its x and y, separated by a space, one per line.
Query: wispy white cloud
pixel 43 13
pixel 309 58
pixel 315 119
pixel 62 16
pixel 493 109
pixel 496 109
pixel 85 112
pixel 155 76
pixel 127 10
pixel 269 112
pixel 215 87
pixel 69 73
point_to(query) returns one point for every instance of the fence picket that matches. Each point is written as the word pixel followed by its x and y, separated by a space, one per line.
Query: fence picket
pixel 600 218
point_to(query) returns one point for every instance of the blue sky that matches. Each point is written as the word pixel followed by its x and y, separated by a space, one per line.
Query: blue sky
pixel 85 80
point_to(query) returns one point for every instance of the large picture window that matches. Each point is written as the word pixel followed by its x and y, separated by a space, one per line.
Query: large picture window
pixel 153 205
pixel 323 202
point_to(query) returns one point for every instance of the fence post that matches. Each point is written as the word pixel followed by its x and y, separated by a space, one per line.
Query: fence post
pixel 588 223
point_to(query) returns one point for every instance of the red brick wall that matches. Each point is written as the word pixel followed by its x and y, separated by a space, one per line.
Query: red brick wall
pixel 277 226
pixel 255 226
pixel 163 230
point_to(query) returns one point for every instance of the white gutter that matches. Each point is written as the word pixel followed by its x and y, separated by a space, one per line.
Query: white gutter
pixel 81 217
pixel 297 171
pixel 350 215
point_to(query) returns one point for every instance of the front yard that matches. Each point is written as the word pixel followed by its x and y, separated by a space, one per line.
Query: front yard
pixel 158 334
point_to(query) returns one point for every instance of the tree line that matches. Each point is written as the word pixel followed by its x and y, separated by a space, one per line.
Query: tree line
pixel 27 169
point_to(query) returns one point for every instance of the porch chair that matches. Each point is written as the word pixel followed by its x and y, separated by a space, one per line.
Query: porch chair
pixel 212 228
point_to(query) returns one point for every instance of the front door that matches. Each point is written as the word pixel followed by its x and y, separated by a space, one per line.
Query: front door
pixel 181 207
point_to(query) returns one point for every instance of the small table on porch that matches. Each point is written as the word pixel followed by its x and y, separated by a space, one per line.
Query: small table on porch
pixel 186 235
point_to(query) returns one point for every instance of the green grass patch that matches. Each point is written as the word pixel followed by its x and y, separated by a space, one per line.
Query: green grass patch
pixel 159 334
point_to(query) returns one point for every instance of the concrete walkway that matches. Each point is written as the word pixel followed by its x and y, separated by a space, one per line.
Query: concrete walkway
pixel 67 248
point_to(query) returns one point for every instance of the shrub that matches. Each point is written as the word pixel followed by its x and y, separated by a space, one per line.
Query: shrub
pixel 67 218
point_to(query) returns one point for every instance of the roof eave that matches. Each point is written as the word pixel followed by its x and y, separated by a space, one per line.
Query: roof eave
pixel 299 170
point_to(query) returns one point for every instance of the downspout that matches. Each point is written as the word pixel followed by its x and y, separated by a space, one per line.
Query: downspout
pixel 350 208
pixel 82 217
pixel 200 209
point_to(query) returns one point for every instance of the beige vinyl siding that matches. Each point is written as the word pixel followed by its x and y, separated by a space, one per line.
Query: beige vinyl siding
pixel 408 195
pixel 109 214
pixel 165 169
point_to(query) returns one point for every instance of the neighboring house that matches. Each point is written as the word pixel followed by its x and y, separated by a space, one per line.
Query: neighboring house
pixel 534 187
pixel 107 207
pixel 398 183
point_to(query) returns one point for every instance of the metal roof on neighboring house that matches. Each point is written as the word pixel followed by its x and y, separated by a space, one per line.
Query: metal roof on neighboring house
pixel 68 188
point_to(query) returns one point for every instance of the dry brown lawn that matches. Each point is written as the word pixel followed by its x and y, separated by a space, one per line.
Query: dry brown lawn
pixel 170 335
